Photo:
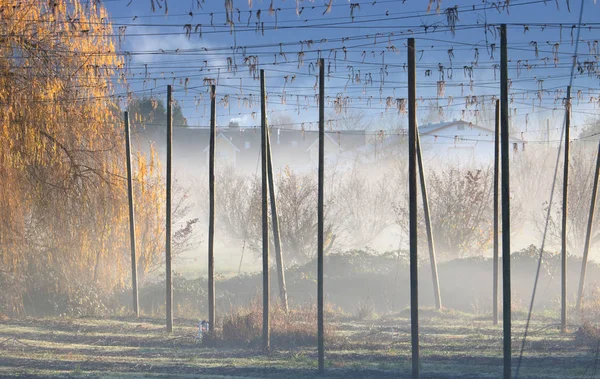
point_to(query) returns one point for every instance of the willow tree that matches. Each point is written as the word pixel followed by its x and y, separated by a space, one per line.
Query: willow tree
pixel 63 224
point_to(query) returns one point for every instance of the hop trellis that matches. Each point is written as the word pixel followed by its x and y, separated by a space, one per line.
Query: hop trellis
pixel 363 66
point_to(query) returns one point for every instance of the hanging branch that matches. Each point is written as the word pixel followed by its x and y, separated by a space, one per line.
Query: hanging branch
pixel 229 13
pixel 252 62
pixel 468 71
pixel 122 30
pixel 389 102
pixel 300 59
pixel 441 88
pixel 276 19
pixel 437 7
pixel 188 30
pixel 560 28
pixel 451 18
pixel 535 47
pixel 328 7
pixel 340 103
pixel 271 9
pixel 401 105
pixel 555 48
pixel 352 7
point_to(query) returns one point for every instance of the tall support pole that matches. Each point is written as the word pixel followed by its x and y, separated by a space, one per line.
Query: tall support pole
pixel 320 223
pixel 412 198
pixel 169 279
pixel 432 259
pixel 565 214
pixel 211 209
pixel 134 282
pixel 504 136
pixel 588 235
pixel 496 212
pixel 266 333
pixel 275 224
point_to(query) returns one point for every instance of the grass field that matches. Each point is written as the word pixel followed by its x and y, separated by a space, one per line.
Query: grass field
pixel 453 345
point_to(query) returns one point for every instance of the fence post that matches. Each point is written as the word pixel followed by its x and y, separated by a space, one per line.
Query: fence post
pixel 588 235
pixel 432 258
pixel 169 279
pixel 134 282
pixel 565 214
pixel 320 224
pixel 211 211
pixel 504 131
pixel 275 222
pixel 266 333
pixel 412 198
pixel 496 210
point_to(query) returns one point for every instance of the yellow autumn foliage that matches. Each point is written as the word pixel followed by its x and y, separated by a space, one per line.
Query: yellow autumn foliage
pixel 64 218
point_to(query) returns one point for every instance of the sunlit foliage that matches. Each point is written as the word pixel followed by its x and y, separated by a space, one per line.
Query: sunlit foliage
pixel 64 220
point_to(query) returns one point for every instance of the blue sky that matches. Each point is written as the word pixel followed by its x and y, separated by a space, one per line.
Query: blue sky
pixel 365 58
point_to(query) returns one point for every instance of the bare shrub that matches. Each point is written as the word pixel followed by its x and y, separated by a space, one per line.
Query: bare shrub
pixel 355 210
pixel 581 175
pixel 460 201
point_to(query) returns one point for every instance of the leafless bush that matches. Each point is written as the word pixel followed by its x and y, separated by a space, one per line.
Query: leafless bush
pixel 460 202
pixel 581 175
pixel 355 210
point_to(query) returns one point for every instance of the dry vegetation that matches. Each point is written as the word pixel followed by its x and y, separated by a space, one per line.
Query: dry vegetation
pixel 64 229
pixel 453 345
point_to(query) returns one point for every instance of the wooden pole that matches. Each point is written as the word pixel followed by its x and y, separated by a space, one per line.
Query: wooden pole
pixel 320 223
pixel 588 235
pixel 412 198
pixel 169 279
pixel 504 150
pixel 496 211
pixel 266 333
pixel 432 258
pixel 134 282
pixel 275 224
pixel 211 210
pixel 565 214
